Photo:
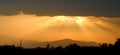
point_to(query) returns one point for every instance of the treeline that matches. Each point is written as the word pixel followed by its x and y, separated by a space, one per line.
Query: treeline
pixel 72 49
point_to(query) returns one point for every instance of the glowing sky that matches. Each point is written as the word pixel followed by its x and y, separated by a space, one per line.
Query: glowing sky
pixel 48 20
pixel 49 28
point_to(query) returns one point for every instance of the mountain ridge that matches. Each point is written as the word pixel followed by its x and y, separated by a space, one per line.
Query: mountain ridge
pixel 62 42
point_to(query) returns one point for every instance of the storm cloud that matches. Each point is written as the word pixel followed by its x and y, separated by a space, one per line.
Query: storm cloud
pixel 107 8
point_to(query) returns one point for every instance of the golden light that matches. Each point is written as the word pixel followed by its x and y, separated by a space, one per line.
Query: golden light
pixel 80 20
pixel 45 28
pixel 63 18
pixel 77 19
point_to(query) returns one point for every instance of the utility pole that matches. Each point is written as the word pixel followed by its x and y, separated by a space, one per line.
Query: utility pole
pixel 21 43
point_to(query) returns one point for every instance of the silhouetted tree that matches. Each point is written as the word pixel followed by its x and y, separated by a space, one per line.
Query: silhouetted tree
pixel 117 43
pixel 110 45
pixel 48 46
pixel 104 45
pixel 72 47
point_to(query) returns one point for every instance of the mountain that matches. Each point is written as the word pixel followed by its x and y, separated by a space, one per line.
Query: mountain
pixel 66 42
pixel 63 43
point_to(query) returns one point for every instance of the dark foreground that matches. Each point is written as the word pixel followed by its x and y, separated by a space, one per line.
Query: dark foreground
pixel 72 49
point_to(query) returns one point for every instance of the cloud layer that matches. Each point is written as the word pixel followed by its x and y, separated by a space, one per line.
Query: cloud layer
pixel 108 8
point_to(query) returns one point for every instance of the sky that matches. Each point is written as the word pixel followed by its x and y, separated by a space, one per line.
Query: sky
pixel 109 8
pixel 48 20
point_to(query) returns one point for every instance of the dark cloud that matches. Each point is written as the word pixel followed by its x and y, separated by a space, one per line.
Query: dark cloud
pixel 109 8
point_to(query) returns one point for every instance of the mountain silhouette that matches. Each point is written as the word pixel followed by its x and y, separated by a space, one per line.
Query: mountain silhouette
pixel 63 43
pixel 66 42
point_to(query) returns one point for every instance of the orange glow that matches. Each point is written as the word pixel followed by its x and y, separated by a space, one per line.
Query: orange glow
pixel 47 28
